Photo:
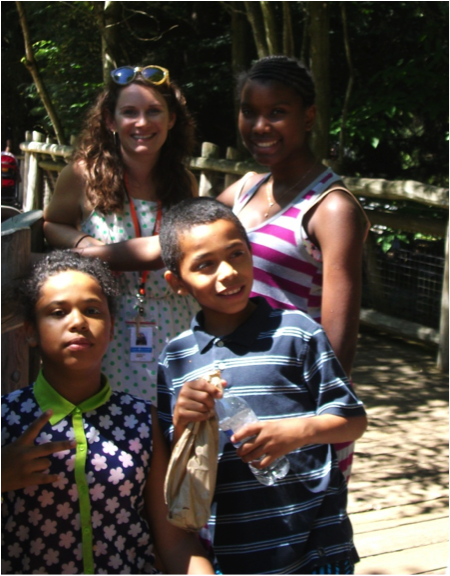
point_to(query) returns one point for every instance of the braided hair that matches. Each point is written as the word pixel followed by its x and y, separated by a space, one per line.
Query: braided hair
pixel 288 71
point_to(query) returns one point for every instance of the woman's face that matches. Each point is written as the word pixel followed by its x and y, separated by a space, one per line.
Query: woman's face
pixel 273 122
pixel 142 120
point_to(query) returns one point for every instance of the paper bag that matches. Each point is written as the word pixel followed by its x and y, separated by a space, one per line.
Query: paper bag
pixel 191 475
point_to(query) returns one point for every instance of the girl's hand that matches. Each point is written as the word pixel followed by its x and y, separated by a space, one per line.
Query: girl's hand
pixel 24 462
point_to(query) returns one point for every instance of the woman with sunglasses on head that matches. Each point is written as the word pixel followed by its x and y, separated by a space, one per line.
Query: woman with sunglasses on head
pixel 128 168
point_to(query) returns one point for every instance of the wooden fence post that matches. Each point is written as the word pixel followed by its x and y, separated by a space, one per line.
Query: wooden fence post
pixel 32 189
pixel 232 154
pixel 15 263
pixel 208 178
pixel 20 235
pixel 442 360
pixel 374 279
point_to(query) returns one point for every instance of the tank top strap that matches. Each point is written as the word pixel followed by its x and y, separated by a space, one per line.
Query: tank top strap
pixel 341 188
pixel 241 198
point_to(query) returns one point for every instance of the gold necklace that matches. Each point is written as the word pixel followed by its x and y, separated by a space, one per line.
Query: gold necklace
pixel 271 200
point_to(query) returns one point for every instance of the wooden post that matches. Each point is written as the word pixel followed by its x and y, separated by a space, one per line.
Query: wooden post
pixel 208 179
pixel 442 360
pixel 374 279
pixel 25 164
pixel 32 197
pixel 15 263
pixel 232 154
pixel 20 235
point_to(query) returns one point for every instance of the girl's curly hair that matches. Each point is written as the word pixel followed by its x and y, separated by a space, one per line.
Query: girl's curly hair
pixel 100 155
pixel 62 261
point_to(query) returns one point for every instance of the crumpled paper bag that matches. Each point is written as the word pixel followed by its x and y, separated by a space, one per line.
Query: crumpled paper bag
pixel 191 476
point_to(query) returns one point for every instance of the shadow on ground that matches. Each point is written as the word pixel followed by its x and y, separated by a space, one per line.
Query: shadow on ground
pixel 403 456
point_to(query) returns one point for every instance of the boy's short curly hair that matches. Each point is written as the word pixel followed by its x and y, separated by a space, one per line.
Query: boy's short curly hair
pixel 183 217
pixel 62 261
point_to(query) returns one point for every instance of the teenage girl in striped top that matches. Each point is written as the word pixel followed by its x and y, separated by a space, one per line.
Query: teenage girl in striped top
pixel 306 229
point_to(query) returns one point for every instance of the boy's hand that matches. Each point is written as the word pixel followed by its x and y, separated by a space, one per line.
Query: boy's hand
pixel 24 462
pixel 195 404
pixel 275 438
pixel 270 440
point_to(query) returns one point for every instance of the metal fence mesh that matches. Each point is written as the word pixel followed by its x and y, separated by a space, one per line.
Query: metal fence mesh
pixel 405 283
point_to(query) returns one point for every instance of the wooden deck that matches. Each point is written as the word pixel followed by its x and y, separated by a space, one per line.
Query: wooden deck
pixel 398 493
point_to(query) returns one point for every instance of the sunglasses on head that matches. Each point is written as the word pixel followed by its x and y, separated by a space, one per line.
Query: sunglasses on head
pixel 151 74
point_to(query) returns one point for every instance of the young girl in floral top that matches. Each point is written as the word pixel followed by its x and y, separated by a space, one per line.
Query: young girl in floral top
pixel 82 485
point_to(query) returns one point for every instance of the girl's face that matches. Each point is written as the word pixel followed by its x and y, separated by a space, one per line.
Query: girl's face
pixel 142 120
pixel 73 325
pixel 273 122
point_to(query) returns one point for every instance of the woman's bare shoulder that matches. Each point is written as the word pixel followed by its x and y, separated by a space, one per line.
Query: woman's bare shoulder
pixel 228 196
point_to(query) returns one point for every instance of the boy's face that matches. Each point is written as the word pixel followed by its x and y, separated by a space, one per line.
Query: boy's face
pixel 216 269
pixel 73 324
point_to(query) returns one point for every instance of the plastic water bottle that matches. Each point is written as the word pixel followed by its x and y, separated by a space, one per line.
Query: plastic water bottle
pixel 233 412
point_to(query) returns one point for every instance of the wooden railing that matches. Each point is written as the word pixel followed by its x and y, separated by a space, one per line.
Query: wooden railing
pixel 44 160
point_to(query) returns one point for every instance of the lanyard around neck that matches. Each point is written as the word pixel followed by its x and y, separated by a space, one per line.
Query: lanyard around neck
pixel 137 230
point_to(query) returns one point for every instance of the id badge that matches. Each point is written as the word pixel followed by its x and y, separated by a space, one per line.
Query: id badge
pixel 141 343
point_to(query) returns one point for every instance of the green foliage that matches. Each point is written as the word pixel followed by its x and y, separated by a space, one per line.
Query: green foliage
pixel 397 123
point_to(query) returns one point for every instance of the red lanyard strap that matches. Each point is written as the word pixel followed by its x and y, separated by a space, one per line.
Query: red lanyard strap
pixel 137 230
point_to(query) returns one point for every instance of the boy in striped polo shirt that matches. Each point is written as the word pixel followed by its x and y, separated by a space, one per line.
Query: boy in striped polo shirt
pixel 281 362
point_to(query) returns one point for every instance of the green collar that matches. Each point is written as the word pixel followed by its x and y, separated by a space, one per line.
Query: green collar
pixel 47 397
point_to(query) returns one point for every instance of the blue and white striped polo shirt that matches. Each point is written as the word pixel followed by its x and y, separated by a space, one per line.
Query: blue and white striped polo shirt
pixel 282 363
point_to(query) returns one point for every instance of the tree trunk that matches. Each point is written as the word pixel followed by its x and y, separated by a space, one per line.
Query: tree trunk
pixel 31 64
pixel 270 27
pixel 288 36
pixel 255 19
pixel 305 38
pixel 349 84
pixel 320 68
pixel 107 16
pixel 238 55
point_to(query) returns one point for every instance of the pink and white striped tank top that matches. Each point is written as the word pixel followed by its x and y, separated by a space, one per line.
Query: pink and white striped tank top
pixel 287 266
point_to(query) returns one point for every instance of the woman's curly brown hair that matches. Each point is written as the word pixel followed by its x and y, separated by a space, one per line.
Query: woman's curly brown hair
pixel 101 159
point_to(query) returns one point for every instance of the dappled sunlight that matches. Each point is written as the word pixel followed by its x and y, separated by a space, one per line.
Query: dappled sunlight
pixel 403 456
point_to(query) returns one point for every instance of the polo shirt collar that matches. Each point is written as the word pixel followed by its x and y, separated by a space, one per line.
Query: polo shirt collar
pixel 245 334
pixel 47 397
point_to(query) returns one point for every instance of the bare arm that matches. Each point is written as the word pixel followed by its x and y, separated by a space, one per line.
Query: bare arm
pixel 337 226
pixel 64 214
pixel 194 184
pixel 180 551
pixel 135 254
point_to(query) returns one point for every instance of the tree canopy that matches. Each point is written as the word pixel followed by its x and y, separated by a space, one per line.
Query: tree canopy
pixel 381 69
